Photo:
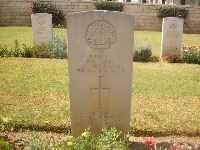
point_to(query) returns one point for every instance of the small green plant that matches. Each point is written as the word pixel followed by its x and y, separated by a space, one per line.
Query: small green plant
pixel 27 51
pixel 5 145
pixel 180 12
pixel 37 141
pixel 112 6
pixel 16 51
pixel 142 52
pixel 3 51
pixel 42 7
pixel 58 46
pixel 190 54
pixel 6 124
pixel 109 138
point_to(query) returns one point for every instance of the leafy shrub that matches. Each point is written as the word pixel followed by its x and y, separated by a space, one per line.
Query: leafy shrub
pixel 182 2
pixel 27 51
pixel 13 52
pixel 5 145
pixel 112 6
pixel 57 14
pixel 108 139
pixel 41 7
pixel 3 51
pixel 16 52
pixel 173 59
pixel 180 12
pixel 191 54
pixel 142 52
pixel 58 46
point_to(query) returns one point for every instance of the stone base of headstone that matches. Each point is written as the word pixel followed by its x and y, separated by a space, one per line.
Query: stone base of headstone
pixel 41 28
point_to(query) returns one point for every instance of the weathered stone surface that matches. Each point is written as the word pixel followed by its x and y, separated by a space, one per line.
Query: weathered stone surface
pixel 172 30
pixel 42 28
pixel 100 46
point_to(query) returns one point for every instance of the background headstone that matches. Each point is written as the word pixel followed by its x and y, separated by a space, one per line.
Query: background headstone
pixel 100 47
pixel 41 28
pixel 172 30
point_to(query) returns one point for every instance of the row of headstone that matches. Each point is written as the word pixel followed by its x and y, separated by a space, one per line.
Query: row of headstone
pixel 100 45
pixel 172 29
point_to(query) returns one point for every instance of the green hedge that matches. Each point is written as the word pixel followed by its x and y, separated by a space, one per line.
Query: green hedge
pixel 180 12
pixel 42 7
pixel 112 6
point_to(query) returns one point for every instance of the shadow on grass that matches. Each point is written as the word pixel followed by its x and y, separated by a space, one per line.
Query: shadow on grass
pixel 151 59
pixel 135 132
pixel 47 128
pixel 139 133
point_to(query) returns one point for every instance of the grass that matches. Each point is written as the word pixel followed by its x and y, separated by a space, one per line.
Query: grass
pixel 165 97
pixel 24 36
pixel 154 39
pixel 34 91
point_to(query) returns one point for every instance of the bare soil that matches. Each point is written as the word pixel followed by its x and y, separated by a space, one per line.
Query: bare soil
pixel 137 143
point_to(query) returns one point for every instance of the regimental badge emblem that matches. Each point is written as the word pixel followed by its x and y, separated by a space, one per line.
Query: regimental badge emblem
pixel 100 35
pixel 173 24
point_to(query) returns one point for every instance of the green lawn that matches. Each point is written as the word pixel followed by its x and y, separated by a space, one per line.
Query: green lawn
pixel 165 97
pixel 24 36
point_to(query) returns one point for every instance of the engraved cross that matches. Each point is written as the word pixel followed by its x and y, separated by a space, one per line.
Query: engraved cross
pixel 100 89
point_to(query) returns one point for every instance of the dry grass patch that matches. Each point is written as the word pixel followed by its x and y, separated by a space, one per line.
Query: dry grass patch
pixel 166 115
pixel 166 98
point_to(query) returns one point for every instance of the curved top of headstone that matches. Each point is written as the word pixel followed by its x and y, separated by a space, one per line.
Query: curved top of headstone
pixel 173 18
pixel 100 11
pixel 100 31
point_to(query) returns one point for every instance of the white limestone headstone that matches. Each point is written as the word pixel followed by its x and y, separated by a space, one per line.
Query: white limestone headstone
pixel 100 47
pixel 172 30
pixel 41 28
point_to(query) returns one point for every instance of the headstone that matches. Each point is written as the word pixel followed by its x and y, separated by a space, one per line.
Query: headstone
pixel 193 3
pixel 100 47
pixel 172 30
pixel 41 28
